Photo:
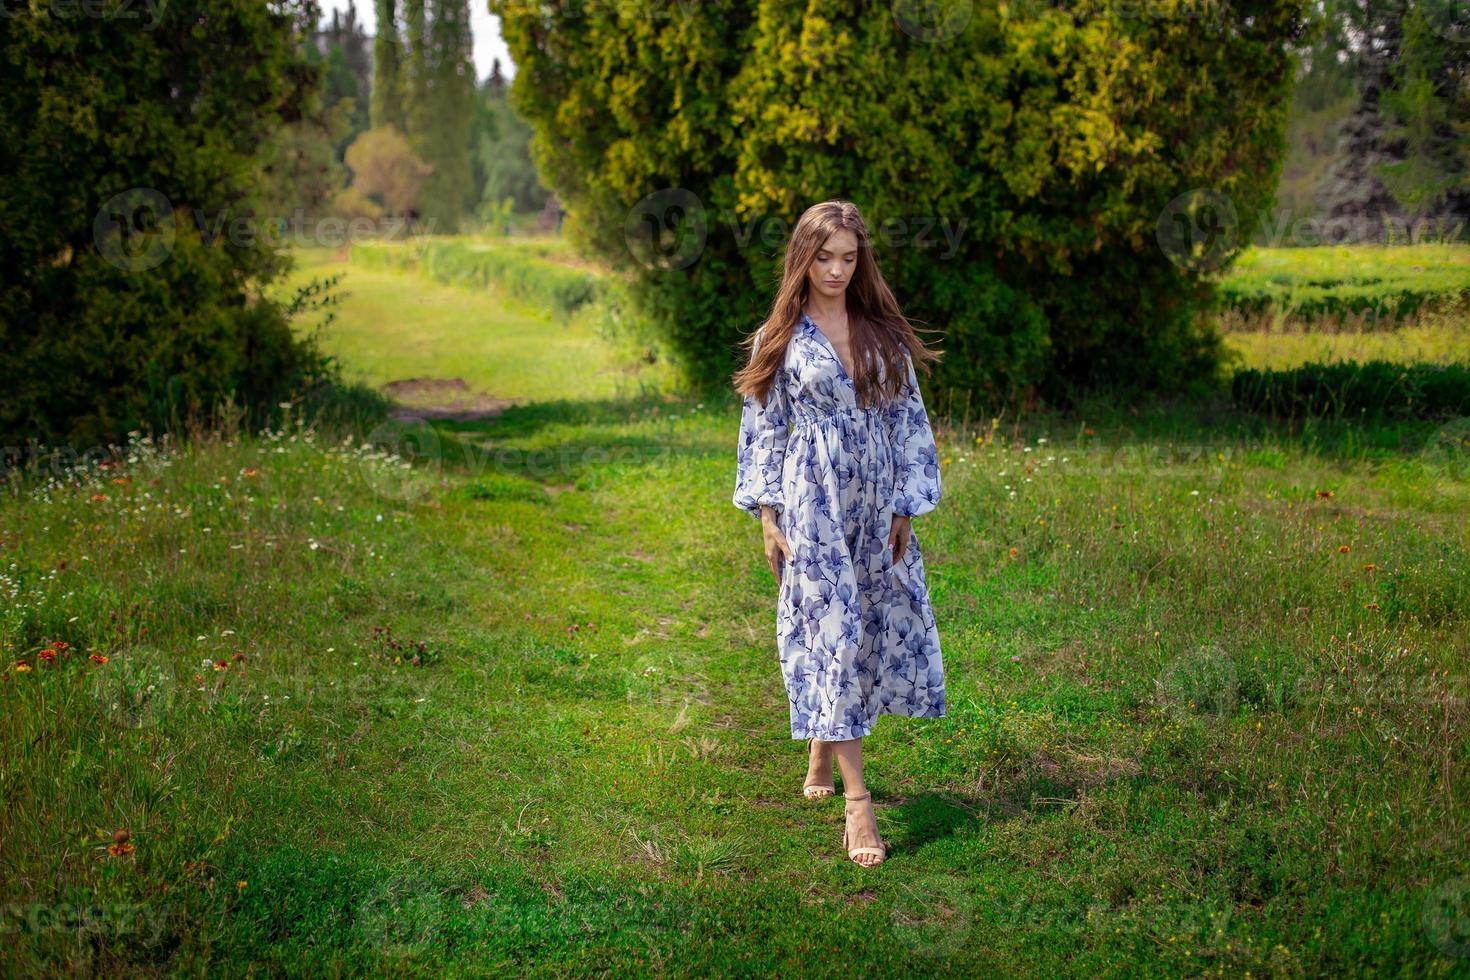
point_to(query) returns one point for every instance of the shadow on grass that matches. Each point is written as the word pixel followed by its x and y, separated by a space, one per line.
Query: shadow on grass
pixel 578 436
pixel 1215 421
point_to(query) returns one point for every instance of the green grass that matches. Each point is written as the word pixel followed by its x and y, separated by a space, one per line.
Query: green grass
pixel 532 270
pixel 387 326
pixel 1188 733
pixel 1444 339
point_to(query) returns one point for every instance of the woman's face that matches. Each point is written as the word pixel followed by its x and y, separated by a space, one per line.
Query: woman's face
pixel 831 270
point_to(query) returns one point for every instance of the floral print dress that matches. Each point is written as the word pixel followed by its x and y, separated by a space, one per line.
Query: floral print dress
pixel 854 630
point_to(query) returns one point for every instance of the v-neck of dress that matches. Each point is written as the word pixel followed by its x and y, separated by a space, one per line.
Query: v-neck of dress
pixel 846 376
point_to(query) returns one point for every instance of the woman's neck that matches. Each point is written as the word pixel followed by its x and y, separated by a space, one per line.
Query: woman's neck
pixel 828 311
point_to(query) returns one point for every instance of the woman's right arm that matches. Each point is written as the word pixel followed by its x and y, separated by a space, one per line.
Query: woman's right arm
pixel 765 427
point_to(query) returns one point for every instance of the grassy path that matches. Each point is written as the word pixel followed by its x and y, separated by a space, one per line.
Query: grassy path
pixel 391 326
pixel 1207 703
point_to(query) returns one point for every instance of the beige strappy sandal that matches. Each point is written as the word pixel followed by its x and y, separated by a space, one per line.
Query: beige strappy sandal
pixel 853 852
pixel 816 791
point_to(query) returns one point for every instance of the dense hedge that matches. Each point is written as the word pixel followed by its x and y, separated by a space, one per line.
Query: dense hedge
pixel 1073 151
pixel 1375 302
pixel 519 270
pixel 1383 284
pixel 1381 389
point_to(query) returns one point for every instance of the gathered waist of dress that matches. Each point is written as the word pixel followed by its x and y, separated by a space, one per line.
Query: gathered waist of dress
pixel 839 416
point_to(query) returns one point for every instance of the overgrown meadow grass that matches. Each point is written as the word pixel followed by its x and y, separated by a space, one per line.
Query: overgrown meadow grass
pixel 516 706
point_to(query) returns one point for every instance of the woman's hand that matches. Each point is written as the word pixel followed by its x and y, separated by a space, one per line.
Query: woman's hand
pixel 778 552
pixel 898 536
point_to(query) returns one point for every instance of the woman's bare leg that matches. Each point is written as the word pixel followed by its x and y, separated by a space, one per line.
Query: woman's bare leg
pixel 863 820
pixel 850 761
pixel 819 765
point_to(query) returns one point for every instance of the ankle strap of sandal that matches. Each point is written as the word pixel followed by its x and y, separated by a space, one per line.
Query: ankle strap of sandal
pixel 864 796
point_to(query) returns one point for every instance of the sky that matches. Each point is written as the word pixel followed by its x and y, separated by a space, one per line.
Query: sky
pixel 484 25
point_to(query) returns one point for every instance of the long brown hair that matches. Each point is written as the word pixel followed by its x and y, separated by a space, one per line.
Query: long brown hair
pixel 878 329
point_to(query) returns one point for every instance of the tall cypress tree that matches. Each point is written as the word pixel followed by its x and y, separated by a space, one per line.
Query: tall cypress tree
pixel 416 74
pixel 387 97
pixel 449 108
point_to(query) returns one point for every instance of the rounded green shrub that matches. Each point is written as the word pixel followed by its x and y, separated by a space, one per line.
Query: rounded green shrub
pixel 1048 185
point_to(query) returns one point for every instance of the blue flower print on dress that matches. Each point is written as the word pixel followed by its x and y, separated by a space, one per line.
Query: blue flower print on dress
pixel 855 630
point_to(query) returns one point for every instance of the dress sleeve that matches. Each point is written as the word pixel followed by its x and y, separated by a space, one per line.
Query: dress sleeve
pixel 764 430
pixel 916 488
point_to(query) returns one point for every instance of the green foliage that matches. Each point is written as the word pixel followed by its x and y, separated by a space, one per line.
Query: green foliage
pixel 349 203
pixel 1380 389
pixel 1049 142
pixel 497 216
pixel 1403 155
pixel 1312 138
pixel 500 142
pixel 301 167
pixel 440 104
pixel 1383 284
pixel 386 171
pixel 121 137
pixel 347 74
pixel 387 94
pixel 1326 76
pixel 1323 97
pixel 1427 110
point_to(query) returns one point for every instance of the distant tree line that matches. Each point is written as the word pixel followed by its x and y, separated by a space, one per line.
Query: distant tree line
pixel 408 131
pixel 1381 120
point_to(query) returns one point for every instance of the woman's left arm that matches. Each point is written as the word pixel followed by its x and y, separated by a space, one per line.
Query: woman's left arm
pixel 916 488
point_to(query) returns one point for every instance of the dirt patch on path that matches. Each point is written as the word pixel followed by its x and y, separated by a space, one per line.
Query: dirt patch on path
pixel 444 398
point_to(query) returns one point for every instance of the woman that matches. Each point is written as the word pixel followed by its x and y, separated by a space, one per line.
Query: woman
pixel 836 457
